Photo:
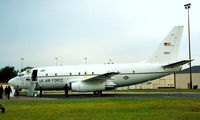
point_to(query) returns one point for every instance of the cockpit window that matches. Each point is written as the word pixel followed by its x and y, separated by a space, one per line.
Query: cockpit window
pixel 20 74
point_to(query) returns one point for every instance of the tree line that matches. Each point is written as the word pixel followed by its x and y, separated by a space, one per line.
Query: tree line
pixel 9 72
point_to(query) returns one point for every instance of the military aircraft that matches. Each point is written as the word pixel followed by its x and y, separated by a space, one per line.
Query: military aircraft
pixel 99 77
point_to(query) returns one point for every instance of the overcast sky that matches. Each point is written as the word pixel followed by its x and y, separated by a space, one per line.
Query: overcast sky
pixel 71 30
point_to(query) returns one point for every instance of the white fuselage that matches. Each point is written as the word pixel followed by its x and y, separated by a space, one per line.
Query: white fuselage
pixel 56 77
pixel 106 76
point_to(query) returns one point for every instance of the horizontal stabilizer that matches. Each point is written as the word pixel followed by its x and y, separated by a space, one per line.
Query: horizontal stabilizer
pixel 102 77
pixel 176 64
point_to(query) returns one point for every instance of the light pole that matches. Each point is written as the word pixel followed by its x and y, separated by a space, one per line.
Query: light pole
pixel 22 64
pixel 56 60
pixel 187 6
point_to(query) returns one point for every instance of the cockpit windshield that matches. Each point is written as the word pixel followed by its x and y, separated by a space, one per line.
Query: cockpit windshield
pixel 20 75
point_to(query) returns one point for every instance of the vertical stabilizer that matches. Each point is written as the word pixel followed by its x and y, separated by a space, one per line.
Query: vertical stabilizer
pixel 167 52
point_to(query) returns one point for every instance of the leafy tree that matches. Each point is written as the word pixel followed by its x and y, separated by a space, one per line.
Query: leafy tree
pixel 7 73
pixel 28 67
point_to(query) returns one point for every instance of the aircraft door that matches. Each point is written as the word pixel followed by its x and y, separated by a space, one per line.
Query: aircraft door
pixel 34 75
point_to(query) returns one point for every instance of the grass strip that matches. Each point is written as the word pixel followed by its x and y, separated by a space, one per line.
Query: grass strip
pixel 166 108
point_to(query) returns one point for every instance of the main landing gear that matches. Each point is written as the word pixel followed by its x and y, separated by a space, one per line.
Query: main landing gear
pixel 98 93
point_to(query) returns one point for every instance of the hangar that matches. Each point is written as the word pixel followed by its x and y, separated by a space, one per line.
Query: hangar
pixel 180 80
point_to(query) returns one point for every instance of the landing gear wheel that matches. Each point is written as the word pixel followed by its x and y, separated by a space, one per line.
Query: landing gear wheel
pixel 98 93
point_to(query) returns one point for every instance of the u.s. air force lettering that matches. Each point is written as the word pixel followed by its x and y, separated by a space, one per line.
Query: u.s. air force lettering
pixel 51 80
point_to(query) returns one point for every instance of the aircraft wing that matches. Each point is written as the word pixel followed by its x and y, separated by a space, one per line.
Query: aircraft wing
pixel 176 64
pixel 102 77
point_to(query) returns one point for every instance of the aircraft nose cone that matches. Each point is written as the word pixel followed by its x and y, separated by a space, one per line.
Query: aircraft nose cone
pixel 12 81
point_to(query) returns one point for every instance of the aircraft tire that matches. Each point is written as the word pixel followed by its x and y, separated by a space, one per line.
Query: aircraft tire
pixel 98 93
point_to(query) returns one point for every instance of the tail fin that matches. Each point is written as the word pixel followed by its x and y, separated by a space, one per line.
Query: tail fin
pixel 167 52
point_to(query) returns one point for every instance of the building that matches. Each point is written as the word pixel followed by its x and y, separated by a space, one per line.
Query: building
pixel 183 78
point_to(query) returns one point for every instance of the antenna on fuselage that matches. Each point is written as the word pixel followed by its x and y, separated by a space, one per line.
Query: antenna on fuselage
pixel 22 59
pixel 85 60
pixel 56 60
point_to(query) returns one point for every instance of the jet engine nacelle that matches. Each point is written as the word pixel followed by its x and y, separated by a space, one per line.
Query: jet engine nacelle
pixel 87 86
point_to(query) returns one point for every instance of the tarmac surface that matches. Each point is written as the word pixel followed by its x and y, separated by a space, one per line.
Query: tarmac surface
pixel 75 95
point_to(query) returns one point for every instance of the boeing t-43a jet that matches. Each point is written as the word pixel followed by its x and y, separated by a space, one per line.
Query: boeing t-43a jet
pixel 99 77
